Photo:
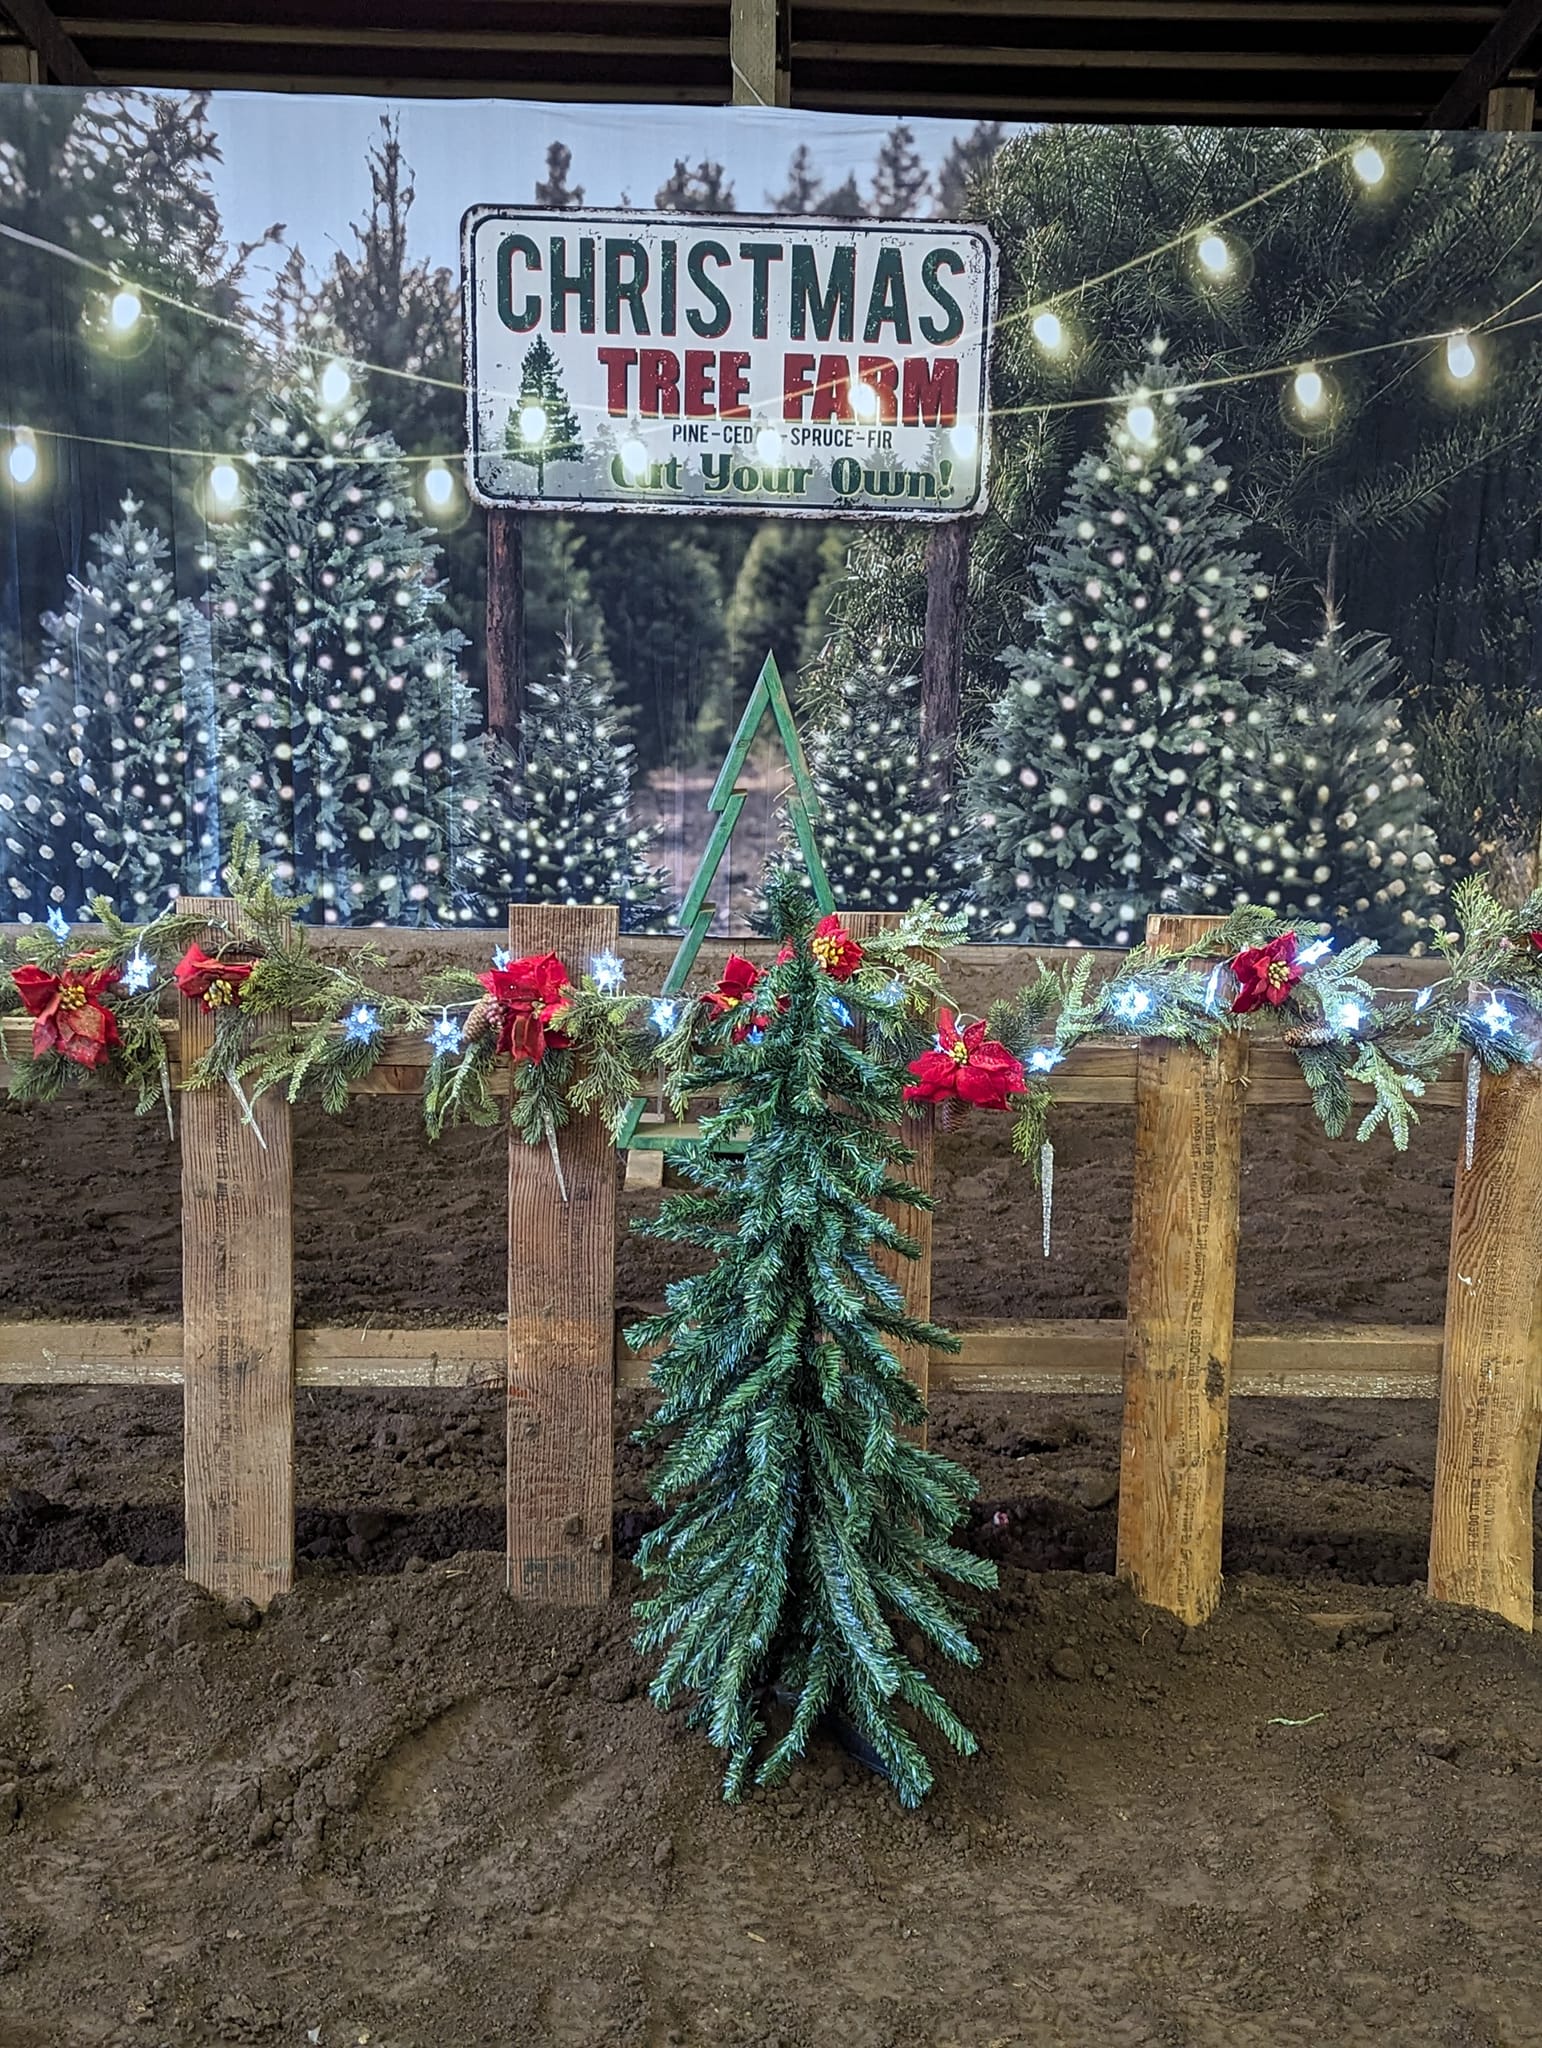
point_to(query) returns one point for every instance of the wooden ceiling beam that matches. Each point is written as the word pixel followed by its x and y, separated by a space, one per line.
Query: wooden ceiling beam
pixel 1021 106
pixel 1368 14
pixel 318 36
pixel 963 56
pixel 39 27
pixel 197 78
pixel 1498 53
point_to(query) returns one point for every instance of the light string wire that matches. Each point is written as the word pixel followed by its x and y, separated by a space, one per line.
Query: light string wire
pixel 1493 323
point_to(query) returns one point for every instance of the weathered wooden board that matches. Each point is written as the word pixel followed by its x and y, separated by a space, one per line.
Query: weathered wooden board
pixel 1481 1538
pixel 238 1326
pixel 1099 1072
pixel 1356 1361
pixel 562 1279
pixel 1183 1277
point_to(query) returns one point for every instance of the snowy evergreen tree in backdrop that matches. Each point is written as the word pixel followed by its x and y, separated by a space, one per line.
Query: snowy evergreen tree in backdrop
pixel 1105 785
pixel 884 834
pixel 568 835
pixel 106 781
pixel 345 723
pixel 1337 805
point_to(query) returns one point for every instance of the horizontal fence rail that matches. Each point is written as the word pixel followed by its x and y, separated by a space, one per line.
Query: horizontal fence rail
pixel 1176 1359
pixel 1356 1361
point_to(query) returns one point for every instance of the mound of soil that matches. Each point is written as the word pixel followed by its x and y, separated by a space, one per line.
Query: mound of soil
pixel 403 1811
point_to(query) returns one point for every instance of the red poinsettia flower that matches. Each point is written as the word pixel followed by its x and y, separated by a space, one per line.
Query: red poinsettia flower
pixel 216 984
pixel 1265 974
pixel 966 1066
pixel 835 949
pixel 1536 940
pixel 530 993
pixel 68 1012
pixel 736 986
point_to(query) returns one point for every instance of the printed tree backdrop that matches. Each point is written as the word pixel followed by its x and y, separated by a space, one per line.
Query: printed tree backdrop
pixel 1378 544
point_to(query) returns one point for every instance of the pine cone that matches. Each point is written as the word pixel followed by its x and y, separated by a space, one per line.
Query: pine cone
pixel 1308 1035
pixel 483 1018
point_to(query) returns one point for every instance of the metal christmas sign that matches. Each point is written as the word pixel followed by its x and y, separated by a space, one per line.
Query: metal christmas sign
pixel 659 362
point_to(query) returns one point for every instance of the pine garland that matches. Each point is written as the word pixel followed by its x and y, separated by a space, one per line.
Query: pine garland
pixel 314 1029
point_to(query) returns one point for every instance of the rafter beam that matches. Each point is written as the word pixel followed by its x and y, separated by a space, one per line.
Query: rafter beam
pixel 1502 48
pixel 39 27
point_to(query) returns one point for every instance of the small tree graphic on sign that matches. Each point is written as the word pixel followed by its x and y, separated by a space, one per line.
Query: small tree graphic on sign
pixel 541 426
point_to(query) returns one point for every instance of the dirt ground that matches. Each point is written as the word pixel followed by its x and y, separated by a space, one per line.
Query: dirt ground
pixel 401 1811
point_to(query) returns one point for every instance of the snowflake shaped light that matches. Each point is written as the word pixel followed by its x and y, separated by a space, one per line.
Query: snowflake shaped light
pixel 362 1024
pixel 58 924
pixel 662 1015
pixel 608 973
pixel 138 972
pixel 1131 1004
pixel 444 1036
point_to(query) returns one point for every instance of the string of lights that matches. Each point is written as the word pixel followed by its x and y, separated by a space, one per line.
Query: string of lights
pixel 1312 391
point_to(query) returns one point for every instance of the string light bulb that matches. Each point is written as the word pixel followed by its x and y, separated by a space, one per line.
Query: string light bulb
pixel 1049 332
pixel 334 386
pixel 608 972
pixel 1214 254
pixel 438 485
pixel 1370 166
pixel 123 310
pixel 1310 390
pixel 224 485
pixel 21 458
pixel 634 455
pixel 1461 357
pixel 964 438
pixel 864 400
pixel 768 445
pixel 1141 422
pixel 532 424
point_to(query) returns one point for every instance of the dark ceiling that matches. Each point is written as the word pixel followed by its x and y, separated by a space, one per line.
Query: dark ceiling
pixel 1337 62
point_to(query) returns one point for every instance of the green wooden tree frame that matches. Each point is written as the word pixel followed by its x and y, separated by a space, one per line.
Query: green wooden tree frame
pixel 725 804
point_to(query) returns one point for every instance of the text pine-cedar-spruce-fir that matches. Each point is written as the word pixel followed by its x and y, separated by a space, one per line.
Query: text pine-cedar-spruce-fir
pixel 611 285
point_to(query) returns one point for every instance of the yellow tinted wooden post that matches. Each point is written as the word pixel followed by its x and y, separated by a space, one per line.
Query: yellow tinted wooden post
pixel 238 1324
pixel 562 1312
pixel 1178 1336
pixel 1491 1369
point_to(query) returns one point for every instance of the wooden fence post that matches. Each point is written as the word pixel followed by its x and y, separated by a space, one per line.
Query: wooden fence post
pixel 919 1131
pixel 562 1315
pixel 1491 1371
pixel 1178 1335
pixel 237 1323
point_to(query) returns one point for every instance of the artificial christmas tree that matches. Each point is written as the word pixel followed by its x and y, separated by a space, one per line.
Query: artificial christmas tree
pixel 567 836
pixel 345 724
pixel 1333 823
pixel 543 426
pixel 1105 784
pixel 106 777
pixel 804 1534
pixel 884 830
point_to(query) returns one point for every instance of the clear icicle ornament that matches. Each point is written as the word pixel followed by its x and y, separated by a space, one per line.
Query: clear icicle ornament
pixel 1474 1082
pixel 1047 1188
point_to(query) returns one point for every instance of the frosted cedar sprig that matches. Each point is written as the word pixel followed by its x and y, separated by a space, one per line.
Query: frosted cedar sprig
pixel 1315 1000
